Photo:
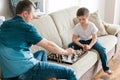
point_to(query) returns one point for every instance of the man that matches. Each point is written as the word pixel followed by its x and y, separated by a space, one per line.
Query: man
pixel 16 38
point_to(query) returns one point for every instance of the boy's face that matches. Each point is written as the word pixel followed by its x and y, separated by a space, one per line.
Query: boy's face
pixel 83 19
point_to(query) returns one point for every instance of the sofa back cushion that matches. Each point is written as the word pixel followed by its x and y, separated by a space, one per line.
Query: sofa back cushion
pixel 47 29
pixel 64 23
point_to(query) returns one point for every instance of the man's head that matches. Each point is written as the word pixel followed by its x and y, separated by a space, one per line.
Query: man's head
pixel 25 9
pixel 83 15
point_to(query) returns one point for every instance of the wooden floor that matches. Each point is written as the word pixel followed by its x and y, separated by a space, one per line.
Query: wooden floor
pixel 115 67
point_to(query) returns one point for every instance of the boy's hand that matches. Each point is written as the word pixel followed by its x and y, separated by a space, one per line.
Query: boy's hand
pixel 86 48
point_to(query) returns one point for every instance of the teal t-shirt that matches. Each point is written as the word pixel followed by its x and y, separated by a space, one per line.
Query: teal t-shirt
pixel 16 38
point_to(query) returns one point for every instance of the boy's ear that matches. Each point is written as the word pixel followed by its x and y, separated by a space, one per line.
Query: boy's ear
pixel 88 16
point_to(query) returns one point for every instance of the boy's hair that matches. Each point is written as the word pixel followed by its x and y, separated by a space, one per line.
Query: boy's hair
pixel 82 11
pixel 24 5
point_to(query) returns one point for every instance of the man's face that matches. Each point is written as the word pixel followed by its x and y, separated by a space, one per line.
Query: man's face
pixel 29 15
pixel 83 19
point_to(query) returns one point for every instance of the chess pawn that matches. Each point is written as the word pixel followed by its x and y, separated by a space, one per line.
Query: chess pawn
pixel 69 58
pixel 54 56
pixel 81 51
pixel 60 57
pixel 75 57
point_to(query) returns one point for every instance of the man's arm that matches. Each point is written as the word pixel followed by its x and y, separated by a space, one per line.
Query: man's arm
pixel 52 47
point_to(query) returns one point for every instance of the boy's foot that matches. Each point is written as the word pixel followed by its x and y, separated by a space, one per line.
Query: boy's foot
pixel 109 72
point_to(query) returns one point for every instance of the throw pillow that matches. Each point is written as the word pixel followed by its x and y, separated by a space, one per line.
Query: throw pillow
pixel 95 18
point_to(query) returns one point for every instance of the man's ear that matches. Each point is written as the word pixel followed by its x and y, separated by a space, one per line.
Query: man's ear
pixel 25 14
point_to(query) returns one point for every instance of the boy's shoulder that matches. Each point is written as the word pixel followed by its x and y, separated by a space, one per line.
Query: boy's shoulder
pixel 77 25
pixel 91 23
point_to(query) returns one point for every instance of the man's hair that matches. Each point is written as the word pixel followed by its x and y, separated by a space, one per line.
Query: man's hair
pixel 24 5
pixel 82 11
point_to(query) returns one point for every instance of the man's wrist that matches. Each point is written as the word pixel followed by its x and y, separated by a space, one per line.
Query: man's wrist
pixel 64 52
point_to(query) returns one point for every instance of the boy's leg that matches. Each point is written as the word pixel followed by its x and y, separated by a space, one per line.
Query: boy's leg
pixel 45 71
pixel 40 55
pixel 102 53
pixel 76 47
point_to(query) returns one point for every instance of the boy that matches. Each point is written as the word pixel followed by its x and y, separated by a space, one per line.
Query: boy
pixel 87 32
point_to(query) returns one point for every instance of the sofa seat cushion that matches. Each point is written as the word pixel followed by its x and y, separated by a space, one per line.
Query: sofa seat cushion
pixel 84 64
pixel 47 29
pixel 108 42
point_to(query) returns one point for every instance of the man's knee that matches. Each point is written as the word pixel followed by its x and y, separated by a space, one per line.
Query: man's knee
pixel 71 72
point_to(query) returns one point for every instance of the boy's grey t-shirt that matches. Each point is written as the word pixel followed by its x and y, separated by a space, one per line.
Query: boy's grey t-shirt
pixel 85 34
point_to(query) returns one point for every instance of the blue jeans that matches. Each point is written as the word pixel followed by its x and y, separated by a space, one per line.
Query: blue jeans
pixel 97 46
pixel 44 70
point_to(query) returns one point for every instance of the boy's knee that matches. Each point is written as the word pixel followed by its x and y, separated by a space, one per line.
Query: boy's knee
pixel 70 45
pixel 103 49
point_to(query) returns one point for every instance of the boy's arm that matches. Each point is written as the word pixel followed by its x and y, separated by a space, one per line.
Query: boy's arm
pixel 74 39
pixel 94 38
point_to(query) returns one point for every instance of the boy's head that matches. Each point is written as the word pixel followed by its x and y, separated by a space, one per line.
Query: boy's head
pixel 82 12
pixel 83 15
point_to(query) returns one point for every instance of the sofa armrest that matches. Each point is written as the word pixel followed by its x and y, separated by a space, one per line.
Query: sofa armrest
pixel 118 43
pixel 112 29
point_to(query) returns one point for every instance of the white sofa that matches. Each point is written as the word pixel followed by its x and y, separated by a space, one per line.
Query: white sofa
pixel 58 26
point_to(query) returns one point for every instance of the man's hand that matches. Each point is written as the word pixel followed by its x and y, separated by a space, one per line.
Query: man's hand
pixel 70 51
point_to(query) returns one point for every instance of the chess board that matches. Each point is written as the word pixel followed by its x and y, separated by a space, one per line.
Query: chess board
pixel 70 59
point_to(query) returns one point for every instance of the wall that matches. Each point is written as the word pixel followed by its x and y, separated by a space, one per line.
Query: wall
pixel 101 8
pixel 112 11
pixel 109 11
pixel 94 5
pixel 117 12
pixel 55 5
pixel 4 8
